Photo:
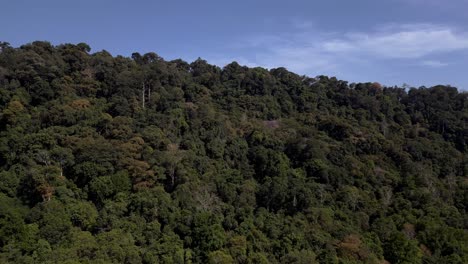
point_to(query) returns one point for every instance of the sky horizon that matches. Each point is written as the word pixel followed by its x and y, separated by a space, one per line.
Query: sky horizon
pixel 394 42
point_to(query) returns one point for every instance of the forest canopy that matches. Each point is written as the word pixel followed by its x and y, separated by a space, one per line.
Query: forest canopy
pixel 111 159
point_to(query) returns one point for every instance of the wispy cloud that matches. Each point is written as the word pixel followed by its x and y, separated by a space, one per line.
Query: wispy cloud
pixel 403 41
pixel 433 63
pixel 308 50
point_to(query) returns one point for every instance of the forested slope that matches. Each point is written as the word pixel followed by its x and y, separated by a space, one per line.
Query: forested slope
pixel 140 160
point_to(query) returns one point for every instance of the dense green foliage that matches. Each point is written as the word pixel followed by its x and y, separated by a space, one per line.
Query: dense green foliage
pixel 140 160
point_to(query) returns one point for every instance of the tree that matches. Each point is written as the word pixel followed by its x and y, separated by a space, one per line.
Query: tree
pixel 400 249
pixel 111 159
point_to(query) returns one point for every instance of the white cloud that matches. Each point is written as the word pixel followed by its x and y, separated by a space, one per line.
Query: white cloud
pixel 311 51
pixel 433 63
pixel 302 24
pixel 405 41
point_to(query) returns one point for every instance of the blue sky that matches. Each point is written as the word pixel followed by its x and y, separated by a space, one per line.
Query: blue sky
pixel 418 42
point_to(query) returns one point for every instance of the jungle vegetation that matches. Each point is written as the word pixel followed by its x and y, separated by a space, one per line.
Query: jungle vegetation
pixel 112 159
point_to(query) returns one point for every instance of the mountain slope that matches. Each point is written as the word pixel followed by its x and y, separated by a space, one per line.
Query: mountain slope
pixel 140 160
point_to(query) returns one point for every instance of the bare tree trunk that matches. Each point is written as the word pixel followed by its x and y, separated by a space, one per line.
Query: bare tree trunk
pixel 149 94
pixel 143 95
pixel 172 174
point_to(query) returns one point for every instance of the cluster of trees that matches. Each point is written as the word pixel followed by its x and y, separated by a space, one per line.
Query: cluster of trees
pixel 140 160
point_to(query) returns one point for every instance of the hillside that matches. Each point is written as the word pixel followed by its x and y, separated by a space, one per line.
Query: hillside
pixel 140 160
